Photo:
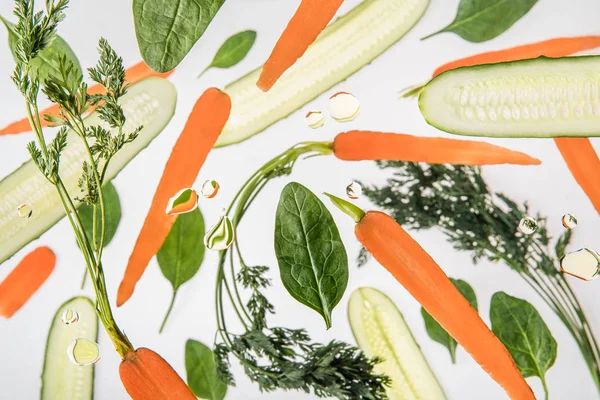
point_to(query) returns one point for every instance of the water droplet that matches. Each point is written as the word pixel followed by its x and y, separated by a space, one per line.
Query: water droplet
pixel 70 317
pixel 343 107
pixel 583 264
pixel 527 225
pixel 221 235
pixel 184 201
pixel 569 221
pixel 210 189
pixel 353 190
pixel 83 352
pixel 24 211
pixel 315 119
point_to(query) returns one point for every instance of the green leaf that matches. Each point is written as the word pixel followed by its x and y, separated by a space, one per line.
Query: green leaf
pixel 112 213
pixel 481 20
pixel 522 330
pixel 166 30
pixel 562 243
pixel 233 50
pixel 435 330
pixel 47 60
pixel 201 373
pixel 312 259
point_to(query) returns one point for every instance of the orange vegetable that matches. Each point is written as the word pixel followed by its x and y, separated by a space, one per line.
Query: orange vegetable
pixel 199 135
pixel 25 280
pixel 147 376
pixel 584 164
pixel 133 74
pixel 311 17
pixel 367 145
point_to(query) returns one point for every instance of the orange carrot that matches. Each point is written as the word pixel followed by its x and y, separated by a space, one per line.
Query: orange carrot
pixel 367 145
pixel 147 376
pixel 311 17
pixel 199 135
pixel 414 269
pixel 584 164
pixel 25 280
pixel 133 74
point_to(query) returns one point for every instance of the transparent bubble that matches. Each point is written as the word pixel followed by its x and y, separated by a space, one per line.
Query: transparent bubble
pixel 353 190
pixel 343 107
pixel 70 317
pixel 527 225
pixel 24 211
pixel 182 202
pixel 583 264
pixel 221 235
pixel 315 119
pixel 569 221
pixel 83 352
pixel 210 189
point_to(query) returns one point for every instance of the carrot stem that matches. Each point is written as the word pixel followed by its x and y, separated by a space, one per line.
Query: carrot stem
pixel 346 207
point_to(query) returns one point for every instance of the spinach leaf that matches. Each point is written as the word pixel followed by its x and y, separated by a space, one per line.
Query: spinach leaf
pixel 166 30
pixel 522 330
pixel 435 330
pixel 46 61
pixel 312 259
pixel 182 252
pixel 481 20
pixel 112 215
pixel 233 50
pixel 201 372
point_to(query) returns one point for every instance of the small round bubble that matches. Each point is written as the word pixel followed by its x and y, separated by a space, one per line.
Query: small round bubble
pixel 69 317
pixel 24 211
pixel 569 221
pixel 83 352
pixel 527 225
pixel 353 190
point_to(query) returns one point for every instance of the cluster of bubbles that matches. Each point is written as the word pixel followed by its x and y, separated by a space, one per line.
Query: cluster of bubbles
pixel 81 351
pixel 343 107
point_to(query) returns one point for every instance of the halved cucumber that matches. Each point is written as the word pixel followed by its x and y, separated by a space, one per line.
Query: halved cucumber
pixel 344 47
pixel 380 331
pixel 150 102
pixel 541 97
pixel 61 379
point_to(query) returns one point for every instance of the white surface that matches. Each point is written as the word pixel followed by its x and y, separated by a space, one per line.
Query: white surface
pixel 549 188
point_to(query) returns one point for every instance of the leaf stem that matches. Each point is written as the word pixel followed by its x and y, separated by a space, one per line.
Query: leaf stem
pixel 203 71
pixel 162 326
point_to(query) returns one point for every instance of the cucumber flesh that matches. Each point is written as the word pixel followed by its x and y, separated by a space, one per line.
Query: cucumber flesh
pixel 344 47
pixel 150 102
pixel 61 379
pixel 380 331
pixel 541 97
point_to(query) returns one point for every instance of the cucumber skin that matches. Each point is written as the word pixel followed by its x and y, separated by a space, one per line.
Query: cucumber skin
pixel 111 173
pixel 252 76
pixel 482 67
pixel 57 315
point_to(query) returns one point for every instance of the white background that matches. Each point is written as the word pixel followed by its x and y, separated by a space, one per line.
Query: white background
pixel 549 188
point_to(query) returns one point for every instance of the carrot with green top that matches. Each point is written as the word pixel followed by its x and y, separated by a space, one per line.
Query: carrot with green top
pixel 23 281
pixel 311 17
pixel 201 131
pixel 414 269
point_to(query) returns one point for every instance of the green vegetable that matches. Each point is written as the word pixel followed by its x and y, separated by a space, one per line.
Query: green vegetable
pixel 435 330
pixel 112 210
pixel 344 47
pixel 380 330
pixel 182 252
pixel 46 61
pixel 481 20
pixel 540 97
pixel 167 30
pixel 562 243
pixel 61 379
pixel 201 373
pixel 522 330
pixel 312 259
pixel 233 50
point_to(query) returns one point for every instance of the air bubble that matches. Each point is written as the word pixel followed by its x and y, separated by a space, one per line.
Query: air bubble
pixel 343 107
pixel 221 235
pixel 210 189
pixel 184 201
pixel 83 352
pixel 583 264
pixel 527 225
pixel 315 119
pixel 69 317
pixel 24 211
pixel 569 221
pixel 353 190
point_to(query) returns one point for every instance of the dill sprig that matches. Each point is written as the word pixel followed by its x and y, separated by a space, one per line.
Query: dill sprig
pixel 457 200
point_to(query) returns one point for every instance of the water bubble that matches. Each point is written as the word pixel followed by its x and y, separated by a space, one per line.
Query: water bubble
pixel 83 352
pixel 24 211
pixel 343 107
pixel 210 189
pixel 569 221
pixel 184 201
pixel 527 225
pixel 221 235
pixel 70 317
pixel 315 119
pixel 583 264
pixel 353 190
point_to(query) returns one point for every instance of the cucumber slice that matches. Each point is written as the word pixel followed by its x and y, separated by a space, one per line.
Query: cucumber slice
pixel 61 379
pixel 344 47
pixel 150 102
pixel 541 97
pixel 380 331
